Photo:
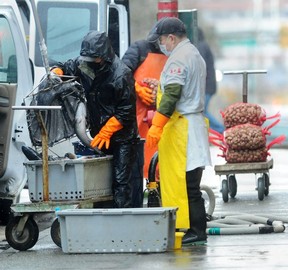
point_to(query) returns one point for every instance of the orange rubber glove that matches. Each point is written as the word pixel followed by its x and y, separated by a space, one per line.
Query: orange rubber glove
pixel 154 133
pixel 144 93
pixel 57 71
pixel 104 135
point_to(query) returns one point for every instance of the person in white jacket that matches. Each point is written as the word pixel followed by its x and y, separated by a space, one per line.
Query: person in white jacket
pixel 180 128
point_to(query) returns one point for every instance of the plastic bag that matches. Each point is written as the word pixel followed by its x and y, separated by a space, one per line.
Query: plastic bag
pixel 58 123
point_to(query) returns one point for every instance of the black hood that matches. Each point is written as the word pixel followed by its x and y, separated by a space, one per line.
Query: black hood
pixel 97 44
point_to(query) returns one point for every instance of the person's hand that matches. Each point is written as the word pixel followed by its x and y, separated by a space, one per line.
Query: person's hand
pixel 145 93
pixel 153 136
pixel 100 139
pixel 104 135
pixel 58 71
pixel 156 130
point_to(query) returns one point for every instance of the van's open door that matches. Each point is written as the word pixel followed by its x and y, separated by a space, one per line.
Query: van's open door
pixel 8 80
pixel 118 27
pixel 15 83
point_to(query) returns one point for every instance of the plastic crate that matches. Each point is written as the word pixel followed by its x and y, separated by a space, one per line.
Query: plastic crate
pixel 123 230
pixel 71 179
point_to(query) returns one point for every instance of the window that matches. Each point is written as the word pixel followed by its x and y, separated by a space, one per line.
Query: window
pixel 113 31
pixel 8 63
pixel 61 25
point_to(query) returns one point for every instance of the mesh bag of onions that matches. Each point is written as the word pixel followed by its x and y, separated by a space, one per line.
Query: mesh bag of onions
pixel 242 113
pixel 246 136
pixel 247 145
pixel 247 155
pixel 242 156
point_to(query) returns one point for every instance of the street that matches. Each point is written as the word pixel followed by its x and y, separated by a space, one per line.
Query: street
pixel 240 251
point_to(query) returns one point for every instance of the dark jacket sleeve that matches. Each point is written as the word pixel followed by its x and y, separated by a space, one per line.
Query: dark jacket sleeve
pixel 137 53
pixel 208 57
pixel 132 57
pixel 125 109
pixel 125 102
pixel 70 67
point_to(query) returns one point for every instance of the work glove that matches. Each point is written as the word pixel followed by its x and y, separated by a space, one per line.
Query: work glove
pixel 58 71
pixel 145 93
pixel 104 135
pixel 154 133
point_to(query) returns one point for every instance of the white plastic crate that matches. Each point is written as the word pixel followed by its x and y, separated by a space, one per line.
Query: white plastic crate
pixel 122 230
pixel 71 179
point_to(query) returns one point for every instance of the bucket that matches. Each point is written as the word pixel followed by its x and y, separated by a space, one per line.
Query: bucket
pixel 178 240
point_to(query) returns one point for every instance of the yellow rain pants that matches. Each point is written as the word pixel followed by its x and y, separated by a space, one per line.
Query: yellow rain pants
pixel 172 149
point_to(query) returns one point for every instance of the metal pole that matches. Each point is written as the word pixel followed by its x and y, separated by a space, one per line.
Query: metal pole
pixel 45 174
pixel 245 87
pixel 44 139
pixel 43 47
pixel 245 79
pixel 36 107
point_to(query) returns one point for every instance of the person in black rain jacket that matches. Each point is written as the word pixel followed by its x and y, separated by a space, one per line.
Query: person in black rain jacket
pixel 111 104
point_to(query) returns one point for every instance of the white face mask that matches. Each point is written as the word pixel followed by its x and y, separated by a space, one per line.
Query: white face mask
pixel 163 49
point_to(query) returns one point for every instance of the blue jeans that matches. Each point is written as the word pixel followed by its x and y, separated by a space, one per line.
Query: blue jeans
pixel 214 123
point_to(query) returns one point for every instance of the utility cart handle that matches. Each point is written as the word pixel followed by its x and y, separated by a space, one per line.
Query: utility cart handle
pixel 44 137
pixel 245 79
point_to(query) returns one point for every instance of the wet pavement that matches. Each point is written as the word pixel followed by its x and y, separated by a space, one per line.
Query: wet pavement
pixel 238 251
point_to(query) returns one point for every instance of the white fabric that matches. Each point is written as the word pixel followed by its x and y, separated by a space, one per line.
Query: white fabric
pixel 198 150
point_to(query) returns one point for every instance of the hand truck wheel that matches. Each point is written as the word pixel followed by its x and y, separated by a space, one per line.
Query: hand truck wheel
pixel 232 185
pixel 267 183
pixel 261 188
pixel 225 190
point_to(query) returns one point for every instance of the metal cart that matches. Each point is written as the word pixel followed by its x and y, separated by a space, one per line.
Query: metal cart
pixel 22 231
pixel 229 170
pixel 57 185
pixel 229 184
